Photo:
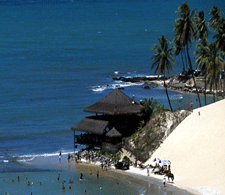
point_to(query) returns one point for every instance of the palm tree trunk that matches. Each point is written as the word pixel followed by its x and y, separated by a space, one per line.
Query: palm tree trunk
pixel 205 90
pixel 193 76
pixel 185 56
pixel 182 60
pixel 216 93
pixel 223 77
pixel 223 81
pixel 167 93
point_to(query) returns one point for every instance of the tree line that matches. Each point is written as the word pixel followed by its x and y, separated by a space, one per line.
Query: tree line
pixel 189 26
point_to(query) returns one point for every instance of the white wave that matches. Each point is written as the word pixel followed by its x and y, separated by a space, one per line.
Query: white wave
pixel 5 161
pixel 177 97
pixel 30 157
pixel 154 76
pixel 117 84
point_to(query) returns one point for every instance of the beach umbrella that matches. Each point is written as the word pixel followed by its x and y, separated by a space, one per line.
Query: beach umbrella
pixel 166 162
pixel 157 160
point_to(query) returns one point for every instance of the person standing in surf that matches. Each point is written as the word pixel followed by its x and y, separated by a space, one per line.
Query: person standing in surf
pixel 60 156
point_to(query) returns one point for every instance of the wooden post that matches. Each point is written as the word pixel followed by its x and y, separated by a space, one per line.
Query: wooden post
pixel 74 142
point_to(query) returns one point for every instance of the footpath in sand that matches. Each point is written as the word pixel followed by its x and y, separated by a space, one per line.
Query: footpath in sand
pixel 196 149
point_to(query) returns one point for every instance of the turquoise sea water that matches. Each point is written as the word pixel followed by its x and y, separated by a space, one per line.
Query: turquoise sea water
pixel 58 57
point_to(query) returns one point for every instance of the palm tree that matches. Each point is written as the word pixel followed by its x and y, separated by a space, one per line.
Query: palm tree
pixel 220 39
pixel 201 53
pixel 216 15
pixel 218 24
pixel 178 49
pixel 148 106
pixel 214 61
pixel 162 61
pixel 184 32
pixel 202 27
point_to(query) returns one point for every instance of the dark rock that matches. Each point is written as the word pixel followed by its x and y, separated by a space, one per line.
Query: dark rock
pixel 146 87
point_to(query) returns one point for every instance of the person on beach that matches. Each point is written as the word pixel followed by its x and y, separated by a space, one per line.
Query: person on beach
pixel 81 176
pixel 106 166
pixel 148 170
pixel 58 177
pixel 60 156
pixel 164 181
pixel 90 172
pixel 68 156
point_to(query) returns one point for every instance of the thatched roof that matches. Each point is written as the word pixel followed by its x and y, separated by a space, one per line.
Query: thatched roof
pixel 115 103
pixel 113 133
pixel 91 126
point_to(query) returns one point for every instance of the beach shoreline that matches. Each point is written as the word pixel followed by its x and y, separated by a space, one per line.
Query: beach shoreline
pixel 137 175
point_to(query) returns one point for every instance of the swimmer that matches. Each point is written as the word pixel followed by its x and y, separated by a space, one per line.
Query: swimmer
pixel 97 174
pixel 101 188
pixel 13 181
pixel 29 184
pixel 63 187
pixel 18 179
pixel 69 186
pixel 58 177
pixel 81 176
pixel 85 191
pixel 40 183
pixel 70 181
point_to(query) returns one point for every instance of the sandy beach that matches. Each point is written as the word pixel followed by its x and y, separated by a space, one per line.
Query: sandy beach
pixel 196 151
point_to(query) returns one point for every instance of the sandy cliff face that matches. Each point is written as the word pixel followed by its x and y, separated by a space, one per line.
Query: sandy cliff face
pixel 149 138
pixel 196 149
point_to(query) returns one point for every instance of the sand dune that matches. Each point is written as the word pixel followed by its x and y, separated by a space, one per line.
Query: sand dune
pixel 196 149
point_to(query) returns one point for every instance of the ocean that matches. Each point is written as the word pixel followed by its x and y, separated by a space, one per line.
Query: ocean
pixel 59 56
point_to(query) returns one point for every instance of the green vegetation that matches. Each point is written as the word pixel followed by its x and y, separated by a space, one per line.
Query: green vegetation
pixel 127 160
pixel 162 61
pixel 114 156
pixel 191 25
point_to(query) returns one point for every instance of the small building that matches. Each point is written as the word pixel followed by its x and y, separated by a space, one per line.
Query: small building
pixel 116 117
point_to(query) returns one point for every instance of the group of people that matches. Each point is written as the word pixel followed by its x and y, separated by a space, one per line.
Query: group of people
pixel 157 169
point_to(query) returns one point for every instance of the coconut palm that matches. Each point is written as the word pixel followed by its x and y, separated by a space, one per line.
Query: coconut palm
pixel 216 15
pixel 202 27
pixel 184 29
pixel 201 53
pixel 220 39
pixel 162 61
pixel 178 50
pixel 214 62
pixel 148 106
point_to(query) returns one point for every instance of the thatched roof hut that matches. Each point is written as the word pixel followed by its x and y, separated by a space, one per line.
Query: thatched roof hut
pixel 113 133
pixel 115 103
pixel 91 126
